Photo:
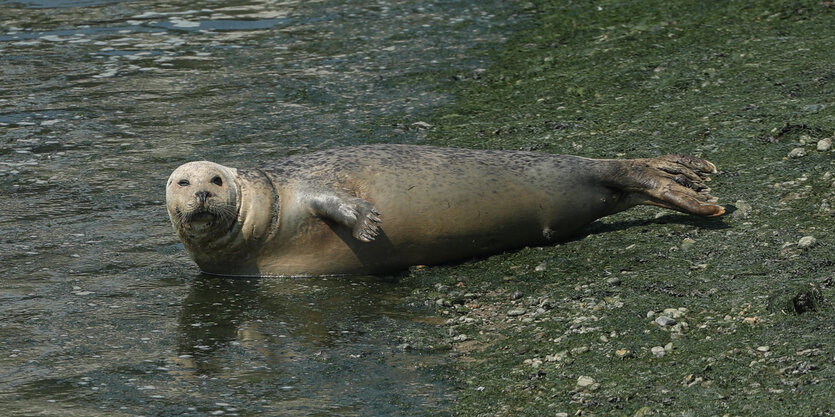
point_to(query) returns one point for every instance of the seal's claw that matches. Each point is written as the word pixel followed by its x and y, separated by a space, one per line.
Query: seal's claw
pixel 367 226
pixel 677 182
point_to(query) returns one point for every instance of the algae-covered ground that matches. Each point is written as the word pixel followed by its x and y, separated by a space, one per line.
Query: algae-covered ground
pixel 650 312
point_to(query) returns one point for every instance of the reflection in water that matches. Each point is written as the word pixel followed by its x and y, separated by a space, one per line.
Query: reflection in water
pixel 325 344
pixel 102 314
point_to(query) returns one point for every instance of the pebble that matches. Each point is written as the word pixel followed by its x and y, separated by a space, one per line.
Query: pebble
pixel 659 351
pixel 516 312
pixel 743 209
pixel 806 242
pixel 763 348
pixel 557 357
pixel 665 321
pixel 613 281
pixel 797 153
pixel 586 382
pixel 674 312
pixel 580 350
pixel 824 144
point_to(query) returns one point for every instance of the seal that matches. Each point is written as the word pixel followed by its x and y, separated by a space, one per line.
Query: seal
pixel 377 209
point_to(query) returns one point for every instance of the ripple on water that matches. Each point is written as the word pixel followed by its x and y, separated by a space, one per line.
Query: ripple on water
pixel 103 313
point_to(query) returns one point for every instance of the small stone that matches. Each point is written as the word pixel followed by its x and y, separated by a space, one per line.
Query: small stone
pixel 517 312
pixel 797 153
pixel 687 243
pixel 658 351
pixel 824 144
pixel 763 349
pixel 743 209
pixel 585 381
pixel 517 295
pixel 579 350
pixel 613 281
pixel 674 312
pixel 802 299
pixel 643 412
pixel 806 242
pixel 665 321
pixel 534 363
pixel 623 353
pixel 541 267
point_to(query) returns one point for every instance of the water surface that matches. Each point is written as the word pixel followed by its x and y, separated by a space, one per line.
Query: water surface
pixel 102 312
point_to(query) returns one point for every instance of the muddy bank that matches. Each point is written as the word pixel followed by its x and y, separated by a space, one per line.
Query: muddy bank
pixel 652 312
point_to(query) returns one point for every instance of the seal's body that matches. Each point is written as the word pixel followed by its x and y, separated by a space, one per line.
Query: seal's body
pixel 380 208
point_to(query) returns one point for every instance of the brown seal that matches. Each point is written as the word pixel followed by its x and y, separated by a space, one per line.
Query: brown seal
pixel 381 208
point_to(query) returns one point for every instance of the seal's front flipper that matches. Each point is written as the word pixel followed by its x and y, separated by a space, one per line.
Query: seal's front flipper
pixel 676 182
pixel 359 215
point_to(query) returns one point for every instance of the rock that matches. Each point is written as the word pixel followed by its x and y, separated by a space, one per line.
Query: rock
pixel 743 209
pixel 623 353
pixel 643 412
pixel 797 153
pixel 613 281
pixel 658 351
pixel 579 350
pixel 517 295
pixel 805 298
pixel 763 349
pixel 665 321
pixel 587 383
pixel 557 357
pixel 674 312
pixel 541 267
pixel 824 144
pixel 421 125
pixel 516 312
pixel 806 242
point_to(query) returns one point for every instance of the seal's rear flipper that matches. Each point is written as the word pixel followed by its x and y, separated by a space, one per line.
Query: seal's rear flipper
pixel 675 182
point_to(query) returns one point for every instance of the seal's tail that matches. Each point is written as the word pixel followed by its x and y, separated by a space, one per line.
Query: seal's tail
pixel 675 182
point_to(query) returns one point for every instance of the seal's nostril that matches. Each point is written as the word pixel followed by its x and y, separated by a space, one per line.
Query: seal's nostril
pixel 203 195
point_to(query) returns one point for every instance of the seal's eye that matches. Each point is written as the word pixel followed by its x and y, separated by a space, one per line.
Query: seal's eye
pixel 183 183
pixel 217 181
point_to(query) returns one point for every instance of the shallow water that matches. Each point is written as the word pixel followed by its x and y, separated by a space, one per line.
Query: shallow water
pixel 102 312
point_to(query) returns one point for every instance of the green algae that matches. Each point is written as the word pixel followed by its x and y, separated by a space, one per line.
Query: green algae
pixel 739 83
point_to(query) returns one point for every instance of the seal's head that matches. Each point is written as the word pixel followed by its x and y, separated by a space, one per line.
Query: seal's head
pixel 201 197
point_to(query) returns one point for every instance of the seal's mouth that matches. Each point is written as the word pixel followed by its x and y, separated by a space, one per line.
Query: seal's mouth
pixel 200 214
pixel 203 215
